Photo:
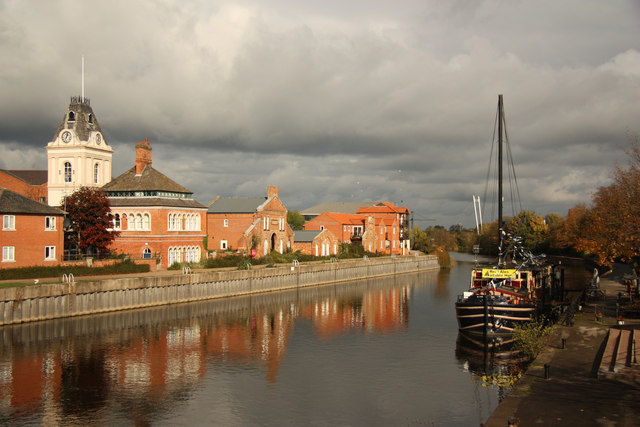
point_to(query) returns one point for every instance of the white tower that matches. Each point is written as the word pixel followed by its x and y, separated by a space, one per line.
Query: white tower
pixel 78 155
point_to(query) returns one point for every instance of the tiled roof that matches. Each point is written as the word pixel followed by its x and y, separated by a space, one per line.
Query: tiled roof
pixel 14 203
pixel 121 202
pixel 305 235
pixel 83 127
pixel 340 207
pixel 236 204
pixel 383 207
pixel 343 218
pixel 31 177
pixel 149 180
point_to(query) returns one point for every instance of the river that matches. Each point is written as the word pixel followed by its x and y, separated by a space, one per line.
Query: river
pixel 371 352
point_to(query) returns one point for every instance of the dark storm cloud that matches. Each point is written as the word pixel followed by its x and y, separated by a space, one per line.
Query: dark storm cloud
pixel 333 101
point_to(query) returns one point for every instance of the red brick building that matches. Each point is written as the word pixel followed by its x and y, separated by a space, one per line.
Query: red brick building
pixel 29 183
pixel 395 224
pixel 348 228
pixel 246 223
pixel 380 228
pixel 156 217
pixel 32 232
pixel 316 242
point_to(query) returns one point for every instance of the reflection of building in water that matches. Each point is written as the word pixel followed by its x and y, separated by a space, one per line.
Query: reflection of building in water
pixel 144 361
pixel 262 338
pixel 378 311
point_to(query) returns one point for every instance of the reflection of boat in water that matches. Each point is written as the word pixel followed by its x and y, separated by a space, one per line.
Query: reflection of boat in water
pixel 502 295
pixel 495 360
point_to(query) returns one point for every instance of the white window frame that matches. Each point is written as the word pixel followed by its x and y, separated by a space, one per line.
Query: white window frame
pixel 50 223
pixel 96 173
pixel 146 222
pixel 117 221
pixel 49 253
pixel 223 245
pixel 8 254
pixel 9 222
pixel 68 172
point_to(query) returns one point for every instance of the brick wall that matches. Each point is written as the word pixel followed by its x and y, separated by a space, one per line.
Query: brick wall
pixel 34 192
pixel 29 240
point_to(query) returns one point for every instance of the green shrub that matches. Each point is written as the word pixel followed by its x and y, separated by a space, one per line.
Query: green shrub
pixel 125 266
pixel 444 259
pixel 531 337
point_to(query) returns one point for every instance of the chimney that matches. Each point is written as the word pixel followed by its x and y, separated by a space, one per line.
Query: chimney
pixel 143 156
pixel 272 191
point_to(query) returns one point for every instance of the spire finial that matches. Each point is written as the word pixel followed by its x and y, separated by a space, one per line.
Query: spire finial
pixel 82 93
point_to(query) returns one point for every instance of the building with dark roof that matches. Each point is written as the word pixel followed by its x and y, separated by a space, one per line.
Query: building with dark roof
pixel 29 183
pixel 256 225
pixel 316 242
pixel 156 216
pixel 32 232
pixel 78 155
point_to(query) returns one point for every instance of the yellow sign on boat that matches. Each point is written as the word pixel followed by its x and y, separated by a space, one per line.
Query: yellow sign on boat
pixel 498 273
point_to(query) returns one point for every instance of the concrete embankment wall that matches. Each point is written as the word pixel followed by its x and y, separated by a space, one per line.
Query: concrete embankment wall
pixel 50 301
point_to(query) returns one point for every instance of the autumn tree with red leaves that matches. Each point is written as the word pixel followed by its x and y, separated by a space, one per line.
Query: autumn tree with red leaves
pixel 611 228
pixel 89 212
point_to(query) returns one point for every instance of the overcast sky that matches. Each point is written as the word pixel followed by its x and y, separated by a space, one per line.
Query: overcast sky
pixel 334 100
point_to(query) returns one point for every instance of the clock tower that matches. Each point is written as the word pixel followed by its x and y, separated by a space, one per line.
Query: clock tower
pixel 79 155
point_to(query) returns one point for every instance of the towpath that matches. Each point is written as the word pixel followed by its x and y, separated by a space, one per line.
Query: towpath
pixel 575 392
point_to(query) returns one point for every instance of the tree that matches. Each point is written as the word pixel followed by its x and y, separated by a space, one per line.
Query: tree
pixel 531 228
pixel 89 212
pixel 420 239
pixel 295 220
pixel 611 228
pixel 555 222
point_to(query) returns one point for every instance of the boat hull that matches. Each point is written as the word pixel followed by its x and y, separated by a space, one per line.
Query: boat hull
pixel 501 319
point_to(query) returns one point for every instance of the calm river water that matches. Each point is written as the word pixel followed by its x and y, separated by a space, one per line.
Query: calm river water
pixel 371 352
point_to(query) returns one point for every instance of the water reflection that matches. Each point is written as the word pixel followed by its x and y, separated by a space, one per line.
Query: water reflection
pixel 135 365
pixel 493 362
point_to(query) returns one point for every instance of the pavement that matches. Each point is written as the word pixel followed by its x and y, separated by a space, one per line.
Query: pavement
pixel 573 394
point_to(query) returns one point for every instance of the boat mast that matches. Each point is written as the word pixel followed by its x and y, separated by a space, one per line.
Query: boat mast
pixel 500 231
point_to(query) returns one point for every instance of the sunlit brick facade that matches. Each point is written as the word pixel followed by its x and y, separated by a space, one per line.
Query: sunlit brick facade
pixel 157 218
pixel 31 232
pixel 249 223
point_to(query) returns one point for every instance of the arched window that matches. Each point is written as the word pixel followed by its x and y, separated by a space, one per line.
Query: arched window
pixel 67 172
pixel 138 222
pixel 72 117
pixel 96 173
pixel 146 253
pixel 116 222
pixel 146 222
pixel 90 119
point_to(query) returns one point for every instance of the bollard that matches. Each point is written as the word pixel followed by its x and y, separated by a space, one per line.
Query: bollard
pixel 547 367
pixel 564 343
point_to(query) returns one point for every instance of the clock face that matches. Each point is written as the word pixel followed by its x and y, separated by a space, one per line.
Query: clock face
pixel 66 136
pixel 98 139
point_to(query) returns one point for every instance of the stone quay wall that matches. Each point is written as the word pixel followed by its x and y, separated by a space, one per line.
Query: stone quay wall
pixel 51 301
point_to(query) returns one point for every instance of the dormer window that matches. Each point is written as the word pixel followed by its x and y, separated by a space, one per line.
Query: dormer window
pixel 72 117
